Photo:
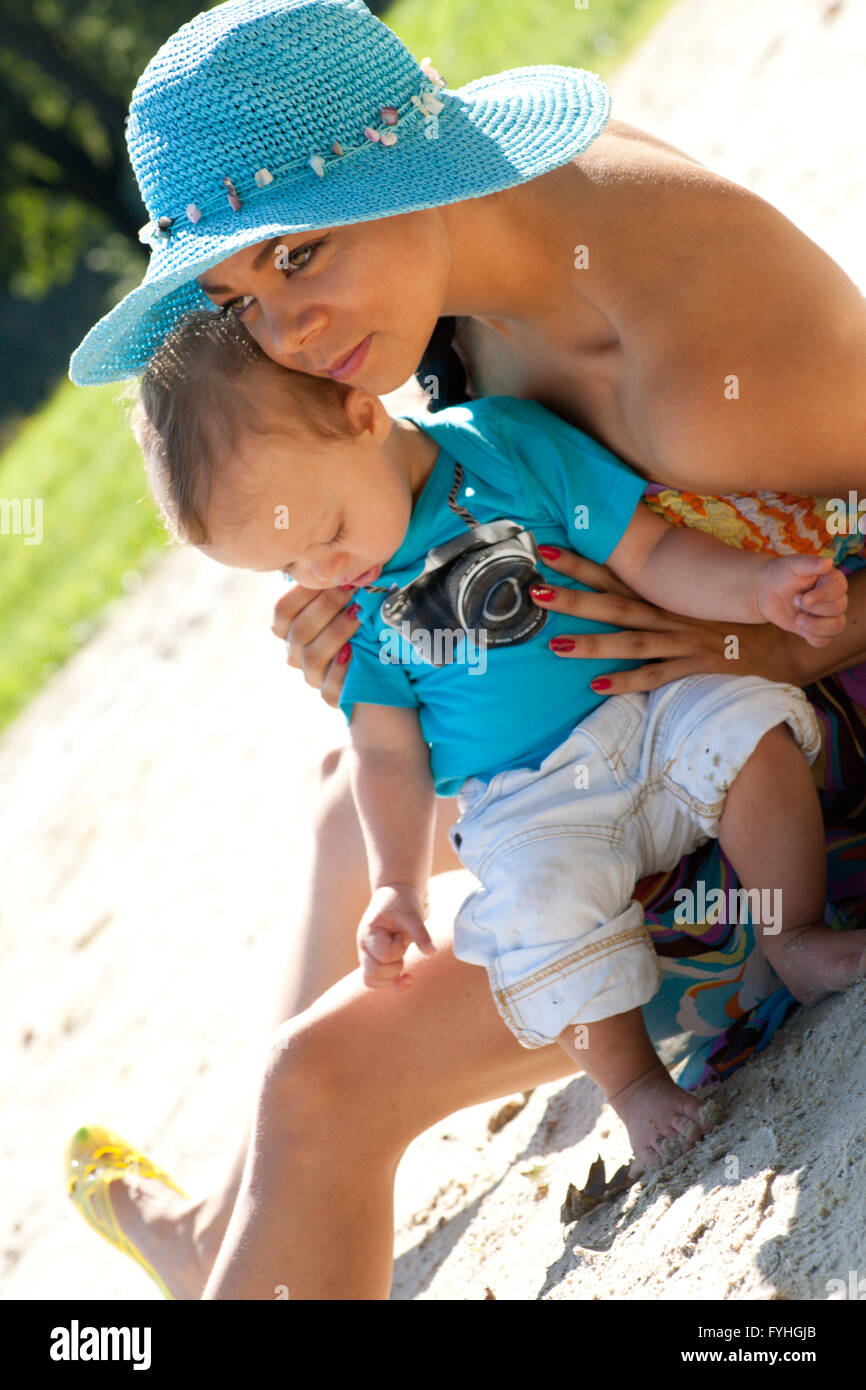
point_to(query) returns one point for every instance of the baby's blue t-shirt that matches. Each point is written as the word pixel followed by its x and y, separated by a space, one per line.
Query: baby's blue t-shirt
pixel 525 464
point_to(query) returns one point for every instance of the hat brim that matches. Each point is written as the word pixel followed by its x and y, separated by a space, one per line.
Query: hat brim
pixel 493 133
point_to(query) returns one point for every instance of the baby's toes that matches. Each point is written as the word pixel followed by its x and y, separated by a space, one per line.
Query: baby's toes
pixel 689 1132
pixel 665 1140
pixel 655 1151
pixel 689 1109
pixel 665 1150
pixel 683 1138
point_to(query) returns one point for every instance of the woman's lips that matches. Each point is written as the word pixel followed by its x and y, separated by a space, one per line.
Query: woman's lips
pixel 347 366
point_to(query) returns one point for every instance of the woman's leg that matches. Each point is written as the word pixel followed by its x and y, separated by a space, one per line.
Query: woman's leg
pixel 179 1239
pixel 348 1085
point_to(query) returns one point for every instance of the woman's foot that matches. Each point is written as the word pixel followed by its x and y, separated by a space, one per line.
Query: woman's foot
pixel 176 1236
pixel 134 1205
pixel 663 1120
pixel 814 961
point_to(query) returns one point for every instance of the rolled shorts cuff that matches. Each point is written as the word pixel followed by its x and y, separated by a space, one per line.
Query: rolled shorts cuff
pixel 723 720
pixel 578 982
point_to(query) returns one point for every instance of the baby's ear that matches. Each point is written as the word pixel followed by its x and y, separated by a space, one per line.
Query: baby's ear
pixel 365 413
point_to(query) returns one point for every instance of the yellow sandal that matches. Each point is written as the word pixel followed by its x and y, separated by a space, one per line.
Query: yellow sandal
pixel 94 1158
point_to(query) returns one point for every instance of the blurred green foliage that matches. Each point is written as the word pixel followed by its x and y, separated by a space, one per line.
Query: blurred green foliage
pixel 471 38
pixel 99 526
pixel 67 71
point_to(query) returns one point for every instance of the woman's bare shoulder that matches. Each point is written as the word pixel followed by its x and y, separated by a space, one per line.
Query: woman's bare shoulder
pixel 675 228
pixel 619 139
pixel 744 343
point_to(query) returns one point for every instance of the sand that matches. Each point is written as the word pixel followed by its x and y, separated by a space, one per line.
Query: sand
pixel 152 833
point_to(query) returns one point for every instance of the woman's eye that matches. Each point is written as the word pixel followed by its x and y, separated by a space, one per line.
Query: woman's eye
pixel 338 536
pixel 235 308
pixel 297 258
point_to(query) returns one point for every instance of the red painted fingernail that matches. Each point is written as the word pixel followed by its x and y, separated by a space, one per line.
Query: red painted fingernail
pixel 353 610
pixel 600 683
pixel 346 588
pixel 561 644
pixel 549 552
pixel 540 592
pixel 343 654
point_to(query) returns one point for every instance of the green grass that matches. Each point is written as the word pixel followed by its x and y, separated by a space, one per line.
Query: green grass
pixel 471 38
pixel 100 527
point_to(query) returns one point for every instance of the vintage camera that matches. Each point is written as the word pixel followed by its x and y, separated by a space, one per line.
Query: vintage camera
pixel 477 582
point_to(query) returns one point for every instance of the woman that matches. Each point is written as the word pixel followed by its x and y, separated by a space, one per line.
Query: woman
pixel 652 303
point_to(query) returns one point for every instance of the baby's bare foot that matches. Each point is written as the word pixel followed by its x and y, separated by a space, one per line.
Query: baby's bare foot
pixel 663 1121
pixel 814 961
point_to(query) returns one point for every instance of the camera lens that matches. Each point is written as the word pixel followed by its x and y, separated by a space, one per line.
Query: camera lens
pixel 489 592
pixel 502 601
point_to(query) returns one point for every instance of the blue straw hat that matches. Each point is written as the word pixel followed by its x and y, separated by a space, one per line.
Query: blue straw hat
pixel 260 118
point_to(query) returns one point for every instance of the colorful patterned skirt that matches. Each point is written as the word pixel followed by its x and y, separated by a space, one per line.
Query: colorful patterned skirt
pixel 720 1001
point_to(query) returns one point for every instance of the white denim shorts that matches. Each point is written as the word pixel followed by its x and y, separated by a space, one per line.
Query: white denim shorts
pixel 558 850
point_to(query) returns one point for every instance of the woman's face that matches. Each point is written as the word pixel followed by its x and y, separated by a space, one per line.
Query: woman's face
pixel 311 299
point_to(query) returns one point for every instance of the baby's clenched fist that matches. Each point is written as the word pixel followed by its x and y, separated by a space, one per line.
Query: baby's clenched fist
pixel 394 918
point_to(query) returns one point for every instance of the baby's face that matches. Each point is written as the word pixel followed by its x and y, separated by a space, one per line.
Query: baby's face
pixel 328 511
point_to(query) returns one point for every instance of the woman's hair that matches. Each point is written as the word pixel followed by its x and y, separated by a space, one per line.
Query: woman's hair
pixel 441 365
pixel 206 386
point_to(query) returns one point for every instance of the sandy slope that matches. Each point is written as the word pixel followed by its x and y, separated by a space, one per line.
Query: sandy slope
pixel 152 831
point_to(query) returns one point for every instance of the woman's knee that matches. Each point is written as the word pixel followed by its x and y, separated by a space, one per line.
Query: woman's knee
pixel 334 801
pixel 298 1097
pixel 333 769
pixel 315 1083
pixel 297 1065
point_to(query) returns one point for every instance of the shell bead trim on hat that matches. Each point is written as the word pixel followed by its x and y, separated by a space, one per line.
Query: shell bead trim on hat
pixel 232 195
pixel 390 116
pixel 153 233
pixel 429 103
pixel 429 71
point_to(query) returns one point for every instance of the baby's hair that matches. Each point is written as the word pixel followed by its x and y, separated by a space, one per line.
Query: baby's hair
pixel 206 386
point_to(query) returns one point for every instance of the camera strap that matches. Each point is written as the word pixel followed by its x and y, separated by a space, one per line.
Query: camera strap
pixel 457 508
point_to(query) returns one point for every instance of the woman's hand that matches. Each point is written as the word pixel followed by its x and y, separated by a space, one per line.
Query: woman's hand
pixel 674 646
pixel 316 625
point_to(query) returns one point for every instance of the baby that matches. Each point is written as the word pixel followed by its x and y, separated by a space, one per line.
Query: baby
pixel 567 799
